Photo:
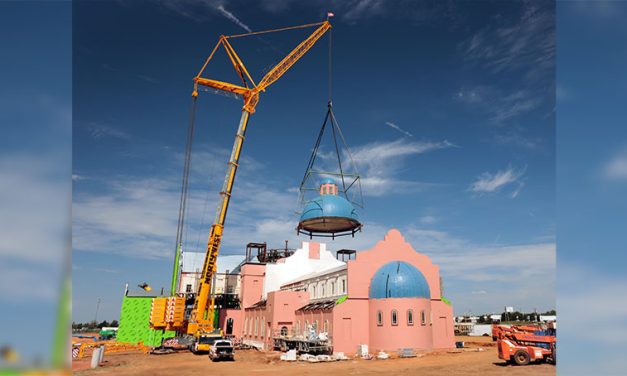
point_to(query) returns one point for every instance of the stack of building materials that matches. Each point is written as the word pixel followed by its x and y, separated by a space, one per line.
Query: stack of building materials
pixel 289 356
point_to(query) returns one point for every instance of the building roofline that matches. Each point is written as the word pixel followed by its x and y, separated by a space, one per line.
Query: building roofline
pixel 314 275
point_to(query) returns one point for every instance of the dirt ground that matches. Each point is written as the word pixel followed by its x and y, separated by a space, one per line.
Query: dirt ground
pixel 252 362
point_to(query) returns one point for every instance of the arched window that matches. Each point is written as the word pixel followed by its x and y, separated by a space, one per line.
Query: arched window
pixel 284 331
pixel 313 292
pixel 316 326
pixel 379 318
pixel 256 325
pixel 394 317
pixel 332 288
pixel 343 286
pixel 326 326
pixel 423 318
pixel 410 317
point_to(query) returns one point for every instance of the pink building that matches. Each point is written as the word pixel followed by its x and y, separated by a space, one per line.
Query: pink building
pixel 388 297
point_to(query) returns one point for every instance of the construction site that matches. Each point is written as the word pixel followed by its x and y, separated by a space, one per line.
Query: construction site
pixel 379 309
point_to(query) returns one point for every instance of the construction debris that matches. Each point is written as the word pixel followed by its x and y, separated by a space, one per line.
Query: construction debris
pixel 406 353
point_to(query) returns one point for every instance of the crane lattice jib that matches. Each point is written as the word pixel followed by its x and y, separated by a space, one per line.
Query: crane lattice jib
pixel 202 315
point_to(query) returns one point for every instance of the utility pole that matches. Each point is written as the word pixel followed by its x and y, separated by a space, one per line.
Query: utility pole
pixel 96 315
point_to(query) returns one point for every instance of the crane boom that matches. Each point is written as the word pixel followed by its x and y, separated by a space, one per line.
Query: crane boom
pixel 202 315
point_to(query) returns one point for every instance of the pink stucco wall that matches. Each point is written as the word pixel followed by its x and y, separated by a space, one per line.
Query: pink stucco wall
pixel 237 316
pixel 389 337
pixel 392 248
pixel 279 311
pixel 350 325
pixel 252 284
pixel 443 327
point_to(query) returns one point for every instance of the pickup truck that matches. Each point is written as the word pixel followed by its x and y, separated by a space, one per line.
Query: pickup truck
pixel 222 349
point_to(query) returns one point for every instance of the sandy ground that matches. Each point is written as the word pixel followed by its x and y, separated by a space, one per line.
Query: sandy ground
pixel 251 362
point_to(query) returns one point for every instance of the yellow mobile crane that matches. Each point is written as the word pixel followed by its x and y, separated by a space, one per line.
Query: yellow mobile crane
pixel 201 320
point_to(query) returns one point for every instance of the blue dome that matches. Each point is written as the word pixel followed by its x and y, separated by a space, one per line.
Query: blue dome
pixel 327 181
pixel 328 206
pixel 399 279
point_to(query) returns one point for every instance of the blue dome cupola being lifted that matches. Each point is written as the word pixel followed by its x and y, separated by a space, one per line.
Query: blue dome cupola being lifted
pixel 332 212
pixel 398 279
pixel 328 213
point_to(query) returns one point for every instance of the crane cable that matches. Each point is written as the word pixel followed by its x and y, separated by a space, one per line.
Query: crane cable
pixel 274 30
pixel 185 182
pixel 330 65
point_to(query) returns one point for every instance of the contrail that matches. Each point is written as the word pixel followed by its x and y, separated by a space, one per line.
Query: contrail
pixel 232 17
pixel 394 126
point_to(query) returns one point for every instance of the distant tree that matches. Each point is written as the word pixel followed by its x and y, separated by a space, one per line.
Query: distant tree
pixel 103 324
pixel 114 323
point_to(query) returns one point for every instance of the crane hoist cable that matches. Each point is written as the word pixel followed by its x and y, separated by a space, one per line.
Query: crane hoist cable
pixel 183 199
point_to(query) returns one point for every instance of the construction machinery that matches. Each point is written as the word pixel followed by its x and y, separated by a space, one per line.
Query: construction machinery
pixel 499 330
pixel 201 323
pixel 522 348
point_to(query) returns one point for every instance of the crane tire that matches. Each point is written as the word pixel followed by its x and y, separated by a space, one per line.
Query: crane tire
pixel 522 358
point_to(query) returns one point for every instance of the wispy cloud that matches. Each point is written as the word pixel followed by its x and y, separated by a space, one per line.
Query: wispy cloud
pixel 428 220
pixel 527 44
pixel 486 270
pixel 201 10
pixel 616 168
pixel 394 126
pixel 379 164
pixel 146 78
pixel 502 107
pixel 232 18
pixel 98 131
pixel 493 182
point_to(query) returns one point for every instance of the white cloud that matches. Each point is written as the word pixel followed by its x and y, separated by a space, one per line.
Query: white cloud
pixel 468 266
pixel 394 126
pixel 489 183
pixel 593 296
pixel 428 220
pixel 616 168
pixel 379 162
pixel 35 202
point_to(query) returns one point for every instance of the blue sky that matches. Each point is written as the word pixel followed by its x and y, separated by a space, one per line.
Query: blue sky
pixel 592 183
pixel 448 108
pixel 35 162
